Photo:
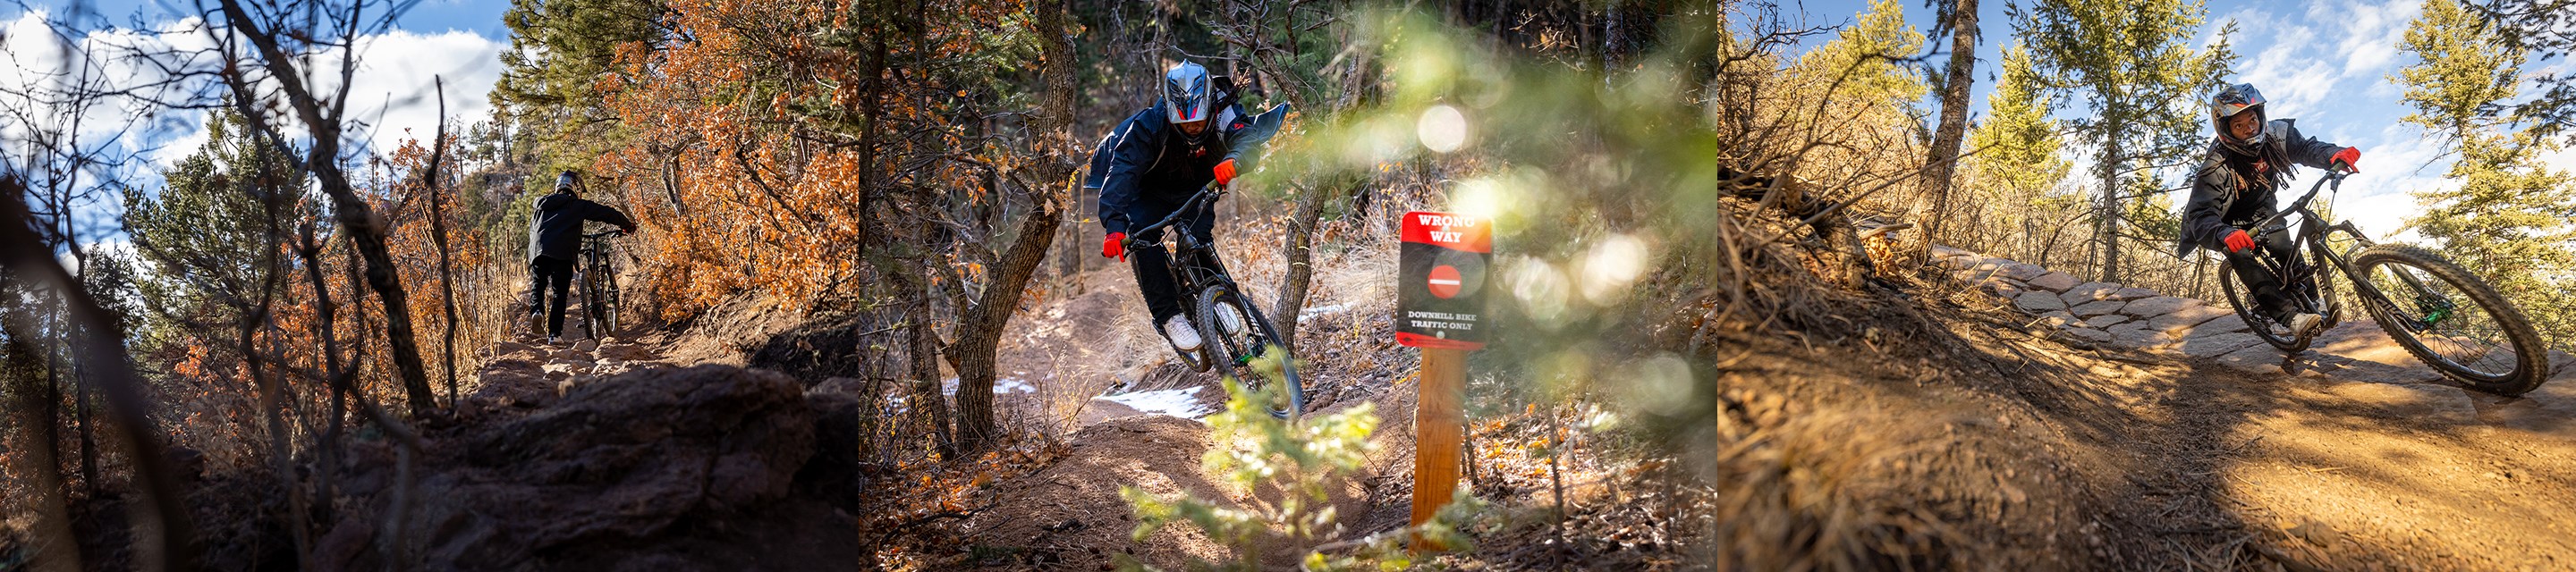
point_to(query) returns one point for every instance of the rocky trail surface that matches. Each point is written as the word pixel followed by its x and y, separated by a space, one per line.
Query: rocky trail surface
pixel 2349 455
pixel 2135 430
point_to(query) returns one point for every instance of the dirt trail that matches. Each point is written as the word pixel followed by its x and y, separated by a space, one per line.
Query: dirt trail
pixel 2185 441
pixel 2351 455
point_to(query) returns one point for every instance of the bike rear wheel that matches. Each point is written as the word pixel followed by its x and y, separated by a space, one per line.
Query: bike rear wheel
pixel 593 302
pixel 2417 296
pixel 1248 353
pixel 2241 297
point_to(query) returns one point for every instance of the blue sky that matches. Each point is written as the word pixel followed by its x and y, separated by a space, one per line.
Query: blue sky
pixel 2322 62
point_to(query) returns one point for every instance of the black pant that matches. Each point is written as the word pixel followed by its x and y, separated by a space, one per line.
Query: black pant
pixel 1153 266
pixel 2268 298
pixel 541 271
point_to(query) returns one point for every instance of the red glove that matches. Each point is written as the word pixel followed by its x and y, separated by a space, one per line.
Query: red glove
pixel 1115 246
pixel 1225 172
pixel 2349 158
pixel 2239 241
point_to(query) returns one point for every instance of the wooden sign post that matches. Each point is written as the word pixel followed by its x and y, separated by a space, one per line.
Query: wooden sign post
pixel 1438 308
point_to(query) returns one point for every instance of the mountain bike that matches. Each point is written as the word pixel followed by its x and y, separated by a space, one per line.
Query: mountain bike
pixel 598 285
pixel 1238 339
pixel 2438 311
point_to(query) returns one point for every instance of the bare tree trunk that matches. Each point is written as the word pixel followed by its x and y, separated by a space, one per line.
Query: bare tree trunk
pixel 1299 251
pixel 438 233
pixel 322 160
pixel 55 545
pixel 980 324
pixel 923 346
pixel 21 252
pixel 2106 227
pixel 1961 74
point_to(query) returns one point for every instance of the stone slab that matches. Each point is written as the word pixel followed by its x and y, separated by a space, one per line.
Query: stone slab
pixel 2134 294
pixel 2087 335
pixel 2186 317
pixel 2090 291
pixel 2054 282
pixel 2105 321
pixel 2036 302
pixel 2156 306
pixel 2020 271
pixel 2057 319
pixel 2091 309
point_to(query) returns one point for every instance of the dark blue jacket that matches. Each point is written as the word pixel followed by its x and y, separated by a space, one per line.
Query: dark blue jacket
pixel 556 232
pixel 1146 160
pixel 2226 192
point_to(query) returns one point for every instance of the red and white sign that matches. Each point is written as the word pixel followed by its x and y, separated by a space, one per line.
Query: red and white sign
pixel 1441 300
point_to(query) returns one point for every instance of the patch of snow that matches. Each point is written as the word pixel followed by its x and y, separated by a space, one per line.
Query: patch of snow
pixel 1182 403
pixel 1000 386
pixel 1323 311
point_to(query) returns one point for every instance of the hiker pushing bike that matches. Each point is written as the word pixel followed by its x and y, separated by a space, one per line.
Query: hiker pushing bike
pixel 1165 167
pixel 2445 316
pixel 556 244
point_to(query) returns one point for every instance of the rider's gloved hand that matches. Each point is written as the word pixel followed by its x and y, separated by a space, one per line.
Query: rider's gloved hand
pixel 1115 246
pixel 628 229
pixel 2349 158
pixel 1225 173
pixel 2239 241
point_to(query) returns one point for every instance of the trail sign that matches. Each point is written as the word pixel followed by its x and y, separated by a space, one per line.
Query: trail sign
pixel 1438 308
pixel 1442 299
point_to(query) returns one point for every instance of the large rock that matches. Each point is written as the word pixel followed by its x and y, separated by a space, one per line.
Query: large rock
pixel 2056 319
pixel 628 352
pixel 2156 306
pixel 2091 309
pixel 2138 336
pixel 2218 345
pixel 2036 302
pixel 2054 282
pixel 2104 321
pixel 2133 294
pixel 2022 272
pixel 2090 291
pixel 619 463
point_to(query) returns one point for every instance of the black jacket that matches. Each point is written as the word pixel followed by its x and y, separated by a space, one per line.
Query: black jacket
pixel 556 232
pixel 2228 192
pixel 1147 160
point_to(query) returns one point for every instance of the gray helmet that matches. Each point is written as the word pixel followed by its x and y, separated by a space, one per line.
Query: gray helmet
pixel 564 180
pixel 2230 102
pixel 1187 97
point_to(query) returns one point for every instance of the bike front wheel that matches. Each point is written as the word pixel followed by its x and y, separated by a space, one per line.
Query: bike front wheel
pixel 1250 351
pixel 2450 319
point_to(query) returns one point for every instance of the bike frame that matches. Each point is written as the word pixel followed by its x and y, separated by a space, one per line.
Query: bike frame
pixel 1195 265
pixel 599 280
pixel 2312 236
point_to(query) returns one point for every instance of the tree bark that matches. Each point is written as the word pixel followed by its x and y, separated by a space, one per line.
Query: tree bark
pixel 1299 251
pixel 980 325
pixel 1961 74
pixel 22 254
pixel 2106 224
pixel 365 227
pixel 438 232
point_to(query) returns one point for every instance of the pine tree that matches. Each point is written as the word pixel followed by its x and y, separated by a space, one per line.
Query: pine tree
pixel 2018 144
pixel 2508 220
pixel 2135 65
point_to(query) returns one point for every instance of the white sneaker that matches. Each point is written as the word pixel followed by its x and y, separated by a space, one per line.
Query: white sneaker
pixel 2303 323
pixel 1182 335
pixel 1231 318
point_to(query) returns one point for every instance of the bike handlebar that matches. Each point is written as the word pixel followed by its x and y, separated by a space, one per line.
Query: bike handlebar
pixel 1206 194
pixel 2334 175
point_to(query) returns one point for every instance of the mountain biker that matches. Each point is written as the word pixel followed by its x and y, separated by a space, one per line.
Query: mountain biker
pixel 2250 159
pixel 1158 159
pixel 554 238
